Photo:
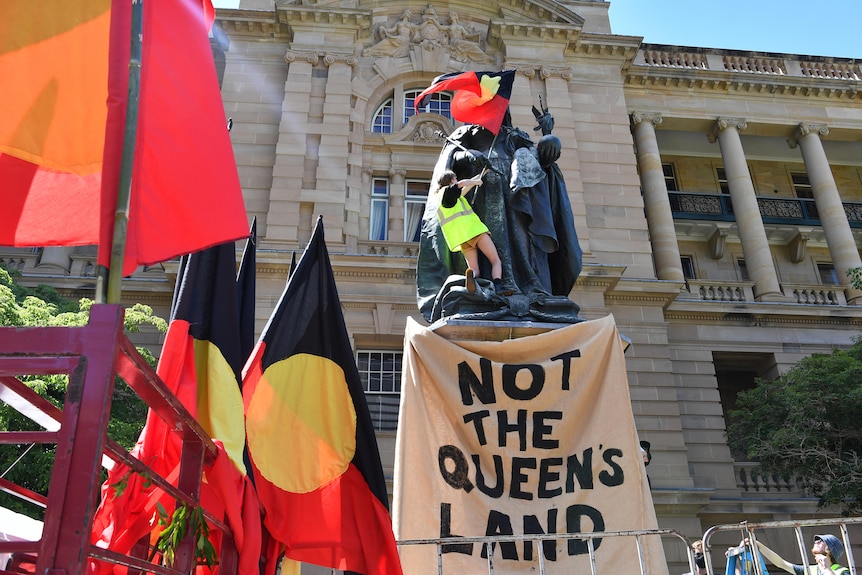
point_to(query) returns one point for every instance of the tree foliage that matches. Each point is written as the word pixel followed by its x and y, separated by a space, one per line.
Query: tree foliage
pixel 30 465
pixel 806 425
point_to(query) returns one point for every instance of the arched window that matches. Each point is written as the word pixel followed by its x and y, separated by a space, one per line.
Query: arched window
pixel 436 103
pixel 382 122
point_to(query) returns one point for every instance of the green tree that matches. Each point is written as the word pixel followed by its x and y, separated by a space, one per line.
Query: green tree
pixel 30 465
pixel 806 424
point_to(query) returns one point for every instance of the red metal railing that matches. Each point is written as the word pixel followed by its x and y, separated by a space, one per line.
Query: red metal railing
pixel 92 356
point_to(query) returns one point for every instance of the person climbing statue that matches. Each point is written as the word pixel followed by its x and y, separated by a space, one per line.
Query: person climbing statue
pixel 463 230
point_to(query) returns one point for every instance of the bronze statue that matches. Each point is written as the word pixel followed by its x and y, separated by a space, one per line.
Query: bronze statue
pixel 524 203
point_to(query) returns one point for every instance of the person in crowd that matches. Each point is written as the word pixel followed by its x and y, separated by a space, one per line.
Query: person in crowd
pixel 699 559
pixel 827 551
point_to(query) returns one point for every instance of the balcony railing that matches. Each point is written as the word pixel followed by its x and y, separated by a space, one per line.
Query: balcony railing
pixel 718 207
pixel 736 291
pixel 753 482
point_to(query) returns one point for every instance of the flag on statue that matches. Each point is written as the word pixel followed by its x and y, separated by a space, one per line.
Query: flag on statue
pixel 480 97
pixel 311 442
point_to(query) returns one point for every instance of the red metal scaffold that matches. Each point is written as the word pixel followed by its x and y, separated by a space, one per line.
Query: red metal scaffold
pixel 92 356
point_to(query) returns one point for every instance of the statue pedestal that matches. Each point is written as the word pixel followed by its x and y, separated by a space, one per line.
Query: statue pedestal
pixel 454 329
pixel 489 330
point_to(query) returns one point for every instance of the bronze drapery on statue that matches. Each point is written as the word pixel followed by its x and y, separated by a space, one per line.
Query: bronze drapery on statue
pixel 524 202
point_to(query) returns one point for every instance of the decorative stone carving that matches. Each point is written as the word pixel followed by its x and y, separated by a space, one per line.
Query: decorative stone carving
pixel 724 123
pixel 564 72
pixel 427 132
pixel 461 41
pixel 654 118
pixel 396 40
pixel 717 242
pixel 527 70
pixel 805 129
pixel 464 42
pixel 331 58
pixel 292 55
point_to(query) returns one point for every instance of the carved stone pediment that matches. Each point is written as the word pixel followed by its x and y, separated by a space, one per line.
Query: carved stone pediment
pixel 422 129
pixel 458 37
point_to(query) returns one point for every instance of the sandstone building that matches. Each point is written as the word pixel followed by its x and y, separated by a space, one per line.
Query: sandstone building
pixel 717 196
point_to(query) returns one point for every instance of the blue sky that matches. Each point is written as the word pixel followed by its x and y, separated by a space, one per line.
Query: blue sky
pixel 812 28
pixel 818 28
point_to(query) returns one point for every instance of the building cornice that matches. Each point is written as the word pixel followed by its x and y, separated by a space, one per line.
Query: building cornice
pixel 251 23
pixel 309 15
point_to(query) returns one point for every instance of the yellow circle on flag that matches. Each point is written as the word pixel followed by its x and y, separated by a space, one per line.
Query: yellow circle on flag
pixel 301 423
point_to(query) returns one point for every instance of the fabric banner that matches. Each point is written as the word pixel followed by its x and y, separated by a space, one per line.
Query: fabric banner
pixel 523 436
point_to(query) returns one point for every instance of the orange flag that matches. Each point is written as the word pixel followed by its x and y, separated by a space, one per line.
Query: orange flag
pixel 62 132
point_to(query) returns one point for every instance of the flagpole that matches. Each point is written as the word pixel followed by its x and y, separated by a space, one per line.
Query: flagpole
pixel 124 193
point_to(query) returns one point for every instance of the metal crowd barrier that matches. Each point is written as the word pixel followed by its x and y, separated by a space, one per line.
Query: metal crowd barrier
pixel 748 531
pixel 488 541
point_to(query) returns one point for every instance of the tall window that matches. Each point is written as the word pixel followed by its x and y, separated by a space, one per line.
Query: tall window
pixel 669 177
pixel 436 103
pixel 380 374
pixel 827 273
pixel 721 175
pixel 687 267
pixel 736 372
pixel 414 207
pixel 379 219
pixel 382 121
pixel 801 185
pixel 742 268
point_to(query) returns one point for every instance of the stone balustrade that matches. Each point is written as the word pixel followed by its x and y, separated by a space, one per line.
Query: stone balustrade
pixel 754 64
pixel 388 248
pixel 660 55
pixel 751 481
pixel 723 291
pixel 833 70
pixel 674 59
pixel 817 295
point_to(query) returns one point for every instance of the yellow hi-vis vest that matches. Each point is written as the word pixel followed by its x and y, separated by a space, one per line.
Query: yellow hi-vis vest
pixel 459 224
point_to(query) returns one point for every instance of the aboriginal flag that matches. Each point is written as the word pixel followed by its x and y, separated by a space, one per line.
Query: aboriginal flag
pixel 200 363
pixel 312 446
pixel 480 97
pixel 245 292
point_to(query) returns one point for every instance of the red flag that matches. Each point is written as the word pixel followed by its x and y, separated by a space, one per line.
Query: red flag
pixel 480 97
pixel 60 145
pixel 200 362
pixel 310 439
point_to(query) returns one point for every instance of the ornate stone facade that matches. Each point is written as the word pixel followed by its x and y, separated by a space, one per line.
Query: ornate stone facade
pixel 720 249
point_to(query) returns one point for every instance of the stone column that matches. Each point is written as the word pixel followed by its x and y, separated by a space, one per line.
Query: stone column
pixel 57 257
pixel 330 193
pixel 755 246
pixel 658 213
pixel 283 220
pixel 839 238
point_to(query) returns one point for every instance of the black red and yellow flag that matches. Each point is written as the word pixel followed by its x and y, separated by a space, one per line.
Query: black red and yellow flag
pixel 480 97
pixel 312 445
pixel 246 288
pixel 200 363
